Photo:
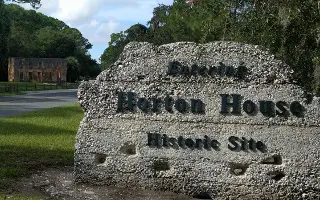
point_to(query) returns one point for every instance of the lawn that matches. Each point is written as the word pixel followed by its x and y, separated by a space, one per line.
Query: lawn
pixel 11 94
pixel 11 88
pixel 37 140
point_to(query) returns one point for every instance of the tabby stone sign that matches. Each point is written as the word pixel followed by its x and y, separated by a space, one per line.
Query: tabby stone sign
pixel 215 120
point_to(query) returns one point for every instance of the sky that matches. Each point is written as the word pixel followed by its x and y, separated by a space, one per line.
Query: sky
pixel 98 19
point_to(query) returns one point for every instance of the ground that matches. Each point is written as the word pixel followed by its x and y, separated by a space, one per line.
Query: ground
pixel 57 183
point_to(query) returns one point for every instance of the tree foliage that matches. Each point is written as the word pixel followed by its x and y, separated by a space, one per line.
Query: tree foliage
pixel 118 41
pixel 289 28
pixel 4 35
pixel 28 33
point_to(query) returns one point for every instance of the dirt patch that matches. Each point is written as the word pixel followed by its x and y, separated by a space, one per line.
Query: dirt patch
pixel 58 184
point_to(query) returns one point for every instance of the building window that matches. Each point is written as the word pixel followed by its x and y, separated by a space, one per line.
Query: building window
pixel 39 76
pixel 30 76
pixel 21 75
pixel 50 76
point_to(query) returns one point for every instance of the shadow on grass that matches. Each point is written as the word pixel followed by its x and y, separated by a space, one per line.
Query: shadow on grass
pixel 17 161
pixel 5 94
pixel 66 112
pixel 36 140
pixel 19 128
pixel 61 120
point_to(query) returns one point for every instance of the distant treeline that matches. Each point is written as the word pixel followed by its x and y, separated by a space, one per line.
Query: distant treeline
pixel 288 28
pixel 27 33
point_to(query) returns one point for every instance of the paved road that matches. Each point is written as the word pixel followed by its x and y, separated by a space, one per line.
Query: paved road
pixel 36 100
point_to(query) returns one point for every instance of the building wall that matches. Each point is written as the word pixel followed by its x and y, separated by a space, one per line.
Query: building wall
pixel 37 70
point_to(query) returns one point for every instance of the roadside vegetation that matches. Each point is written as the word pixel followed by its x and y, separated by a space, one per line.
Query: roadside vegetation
pixel 5 94
pixel 17 197
pixel 12 88
pixel 37 140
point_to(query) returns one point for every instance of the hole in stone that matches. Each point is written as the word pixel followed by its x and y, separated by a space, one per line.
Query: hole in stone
pixel 120 65
pixel 273 160
pixel 161 165
pixel 129 149
pixel 276 175
pixel 202 195
pixel 238 169
pixel 140 77
pixel 100 158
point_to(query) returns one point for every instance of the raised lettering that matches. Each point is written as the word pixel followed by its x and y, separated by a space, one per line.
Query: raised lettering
pixel 207 142
pixel 154 140
pixel 267 108
pixel 215 145
pixel 143 104
pixel 173 68
pixel 241 71
pixel 125 103
pixel 199 144
pixel 181 142
pixel 234 145
pixel 225 104
pixel 244 144
pixel 168 103
pixel 155 104
pixel 181 105
pixel 165 140
pixel 185 70
pixel 281 105
pixel 221 69
pixel 203 71
pixel 230 71
pixel 190 143
pixel 173 142
pixel 212 71
pixel 197 106
pixel 249 107
pixel 194 70
pixel 296 109
pixel 261 147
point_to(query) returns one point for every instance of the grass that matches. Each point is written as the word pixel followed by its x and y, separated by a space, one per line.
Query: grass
pixel 11 94
pixel 17 197
pixel 36 140
pixel 29 86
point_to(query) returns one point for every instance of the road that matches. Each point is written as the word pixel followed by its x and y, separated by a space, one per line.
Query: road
pixel 36 100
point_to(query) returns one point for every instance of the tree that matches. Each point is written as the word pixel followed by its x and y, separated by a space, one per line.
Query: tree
pixel 159 16
pixel 51 43
pixel 136 32
pixel 73 71
pixel 27 33
pixel 4 35
pixel 118 42
pixel 290 29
